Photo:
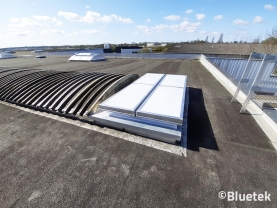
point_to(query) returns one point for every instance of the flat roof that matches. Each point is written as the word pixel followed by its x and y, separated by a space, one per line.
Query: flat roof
pixel 49 162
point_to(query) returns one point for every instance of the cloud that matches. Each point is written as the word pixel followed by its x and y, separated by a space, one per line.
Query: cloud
pixel 185 26
pixel 142 27
pixel 258 19
pixel 148 20
pixel 69 16
pixel 160 27
pixel 19 33
pixel 59 23
pixel 93 17
pixel 189 11
pixel 73 34
pixel 203 32
pixel 50 32
pixel 44 18
pixel 269 7
pixel 216 33
pixel 135 32
pixel 172 17
pixel 145 29
pixel 47 19
pixel 124 20
pixel 23 22
pixel 240 22
pixel 218 17
pixel 156 28
pixel 90 31
pixel 200 16
pixel 87 7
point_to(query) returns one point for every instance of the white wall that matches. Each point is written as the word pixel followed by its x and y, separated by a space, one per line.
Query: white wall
pixel 129 51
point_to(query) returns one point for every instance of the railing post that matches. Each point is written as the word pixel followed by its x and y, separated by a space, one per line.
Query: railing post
pixel 256 81
pixel 247 69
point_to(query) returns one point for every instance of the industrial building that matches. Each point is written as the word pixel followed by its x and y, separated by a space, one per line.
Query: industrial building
pixel 53 156
pixel 128 49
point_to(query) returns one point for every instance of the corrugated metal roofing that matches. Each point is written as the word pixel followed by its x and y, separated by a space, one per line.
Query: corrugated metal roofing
pixel 71 93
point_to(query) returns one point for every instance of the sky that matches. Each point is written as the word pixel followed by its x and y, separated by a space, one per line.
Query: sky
pixel 83 22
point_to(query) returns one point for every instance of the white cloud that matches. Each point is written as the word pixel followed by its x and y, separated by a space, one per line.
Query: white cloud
pixel 189 11
pixel 47 19
pixel 93 17
pixel 185 26
pixel 218 17
pixel 145 29
pixel 69 16
pixel 59 23
pixel 142 27
pixel 148 20
pixel 172 17
pixel 19 33
pixel 269 7
pixel 22 23
pixel 135 32
pixel 240 22
pixel 203 32
pixel 87 7
pixel 149 31
pixel 160 27
pixel 33 41
pixel 200 16
pixel 258 19
pixel 50 32
pixel 216 33
pixel 90 31
pixel 44 18
pixel 73 34
pixel 124 20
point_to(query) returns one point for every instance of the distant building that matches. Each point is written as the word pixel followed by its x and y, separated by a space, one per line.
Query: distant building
pixel 152 44
pixel 106 45
pixel 37 51
pixel 128 49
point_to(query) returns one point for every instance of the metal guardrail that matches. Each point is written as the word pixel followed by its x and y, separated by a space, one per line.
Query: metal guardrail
pixel 253 76
pixel 120 55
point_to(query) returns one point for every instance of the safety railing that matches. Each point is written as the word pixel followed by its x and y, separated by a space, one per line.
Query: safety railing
pixel 254 77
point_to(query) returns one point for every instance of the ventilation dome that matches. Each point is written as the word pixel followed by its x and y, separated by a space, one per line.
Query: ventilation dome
pixel 6 56
pixel 87 57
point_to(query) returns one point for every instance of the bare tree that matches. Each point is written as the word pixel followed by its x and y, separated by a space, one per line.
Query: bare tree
pixel 270 44
pixel 274 32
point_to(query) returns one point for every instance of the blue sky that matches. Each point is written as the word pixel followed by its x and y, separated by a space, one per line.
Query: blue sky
pixel 41 22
